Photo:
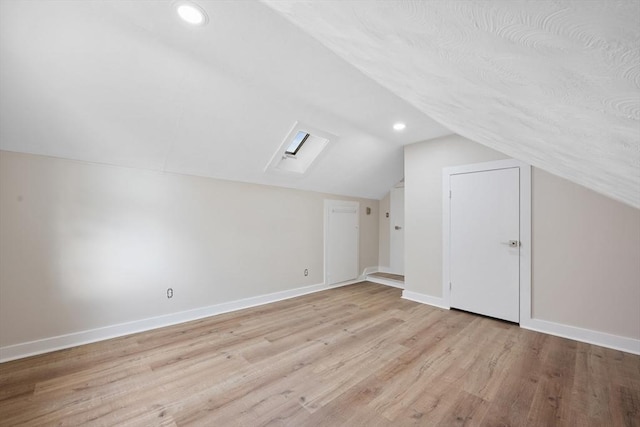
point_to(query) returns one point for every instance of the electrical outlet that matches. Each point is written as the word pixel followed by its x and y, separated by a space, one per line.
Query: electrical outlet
pixel 306 271
pixel 170 293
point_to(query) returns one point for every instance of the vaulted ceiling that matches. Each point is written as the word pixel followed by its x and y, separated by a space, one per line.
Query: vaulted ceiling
pixel 554 83
pixel 128 83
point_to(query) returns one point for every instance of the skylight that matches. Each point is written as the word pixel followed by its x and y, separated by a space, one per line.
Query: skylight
pixel 299 150
pixel 296 143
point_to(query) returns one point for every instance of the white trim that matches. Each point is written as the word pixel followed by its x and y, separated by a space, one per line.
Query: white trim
pixel 384 269
pixel 46 345
pixel 369 270
pixel 396 263
pixel 386 282
pixel 525 228
pixel 301 164
pixel 603 339
pixel 425 299
pixel 18 351
pixel 525 243
pixel 630 345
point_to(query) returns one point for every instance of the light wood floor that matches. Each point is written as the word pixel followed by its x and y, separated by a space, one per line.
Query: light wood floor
pixel 353 356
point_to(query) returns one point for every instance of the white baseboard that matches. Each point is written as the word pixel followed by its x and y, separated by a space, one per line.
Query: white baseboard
pixel 386 282
pixel 46 345
pixel 603 339
pixel 18 351
pixel 425 299
pixel 388 270
pixel 369 270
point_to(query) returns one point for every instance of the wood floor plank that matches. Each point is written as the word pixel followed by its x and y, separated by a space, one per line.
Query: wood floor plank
pixel 352 356
pixel 467 410
pixel 510 405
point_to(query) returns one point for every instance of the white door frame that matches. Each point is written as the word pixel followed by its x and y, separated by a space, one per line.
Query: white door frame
pixel 328 205
pixel 394 250
pixel 525 228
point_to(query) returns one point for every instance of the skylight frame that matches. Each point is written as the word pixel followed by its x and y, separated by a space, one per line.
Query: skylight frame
pixel 306 156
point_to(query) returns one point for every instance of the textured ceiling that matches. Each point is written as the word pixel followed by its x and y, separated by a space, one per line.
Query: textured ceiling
pixel 127 83
pixel 554 83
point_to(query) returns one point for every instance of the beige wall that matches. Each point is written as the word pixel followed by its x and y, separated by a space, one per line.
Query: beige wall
pixel 84 246
pixel 585 258
pixel 423 163
pixel 383 232
pixel 585 247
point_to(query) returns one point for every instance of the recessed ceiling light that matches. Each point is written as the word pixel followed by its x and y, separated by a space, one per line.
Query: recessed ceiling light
pixel 399 126
pixel 191 13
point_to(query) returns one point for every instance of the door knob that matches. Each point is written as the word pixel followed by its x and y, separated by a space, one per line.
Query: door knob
pixel 398 227
pixel 514 243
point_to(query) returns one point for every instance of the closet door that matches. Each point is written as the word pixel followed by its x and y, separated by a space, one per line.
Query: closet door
pixel 485 242
pixel 341 241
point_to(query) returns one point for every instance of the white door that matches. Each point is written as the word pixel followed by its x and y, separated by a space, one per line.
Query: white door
pixel 485 242
pixel 396 233
pixel 341 241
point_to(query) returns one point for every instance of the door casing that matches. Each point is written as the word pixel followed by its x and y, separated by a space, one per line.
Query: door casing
pixel 396 236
